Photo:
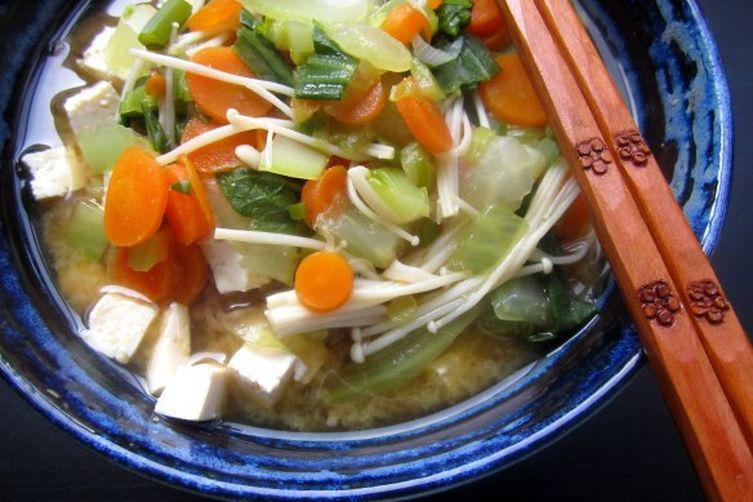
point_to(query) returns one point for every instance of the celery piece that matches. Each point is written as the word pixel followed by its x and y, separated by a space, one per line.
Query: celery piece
pixel 145 256
pixel 370 43
pixel 325 11
pixel 277 262
pixel 522 300
pixel 401 199
pixel 418 165
pixel 117 53
pixel 397 364
pixel 488 240
pixel 480 141
pixel 300 40
pixel 365 238
pixel 548 148
pixel 86 230
pixel 293 159
pixel 262 57
pixel 425 81
pixel 156 33
pixel 103 145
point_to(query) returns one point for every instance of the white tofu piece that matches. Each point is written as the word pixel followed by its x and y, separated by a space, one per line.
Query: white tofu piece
pixel 117 325
pixel 94 56
pixel 195 393
pixel 92 106
pixel 263 372
pixel 55 172
pixel 172 348
pixel 230 275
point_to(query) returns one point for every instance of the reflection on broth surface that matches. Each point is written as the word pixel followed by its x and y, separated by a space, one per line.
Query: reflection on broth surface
pixel 320 247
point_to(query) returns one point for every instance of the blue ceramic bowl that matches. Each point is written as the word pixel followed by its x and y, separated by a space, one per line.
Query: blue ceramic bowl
pixel 662 52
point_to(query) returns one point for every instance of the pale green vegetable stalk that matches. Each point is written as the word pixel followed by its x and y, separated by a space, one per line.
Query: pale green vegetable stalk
pixel 101 146
pixel 126 37
pixel 325 11
pixel 293 159
pixel 400 199
pixel 367 42
pixel 86 231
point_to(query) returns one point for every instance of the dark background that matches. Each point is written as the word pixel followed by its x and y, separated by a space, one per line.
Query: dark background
pixel 630 450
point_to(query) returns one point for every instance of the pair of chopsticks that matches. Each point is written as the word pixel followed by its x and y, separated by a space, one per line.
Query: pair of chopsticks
pixel 697 347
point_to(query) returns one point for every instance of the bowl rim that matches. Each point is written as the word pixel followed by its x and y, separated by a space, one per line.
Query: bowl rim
pixel 445 479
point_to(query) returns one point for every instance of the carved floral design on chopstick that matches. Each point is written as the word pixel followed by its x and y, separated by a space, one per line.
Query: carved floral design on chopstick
pixel 594 155
pixel 658 302
pixel 632 147
pixel 707 301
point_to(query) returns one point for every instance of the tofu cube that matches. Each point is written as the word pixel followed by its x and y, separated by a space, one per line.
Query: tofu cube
pixel 171 349
pixel 94 60
pixel 230 275
pixel 92 106
pixel 117 325
pixel 262 372
pixel 195 393
pixel 55 172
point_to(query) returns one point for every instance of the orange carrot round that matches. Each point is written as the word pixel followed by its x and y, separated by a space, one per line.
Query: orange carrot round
pixel 156 85
pixel 323 281
pixel 220 155
pixel 486 18
pixel 184 211
pixel 216 17
pixel 363 109
pixel 404 23
pixel 510 95
pixel 318 195
pixel 214 97
pixel 191 274
pixel 156 284
pixel 434 4
pixel 136 199
pixel 424 119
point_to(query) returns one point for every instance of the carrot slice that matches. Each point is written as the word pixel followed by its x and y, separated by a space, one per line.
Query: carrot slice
pixel 424 119
pixel 404 23
pixel 214 97
pixel 498 40
pixel 323 281
pixel 156 85
pixel 486 18
pixel 220 155
pixel 184 212
pixel 434 4
pixel 216 17
pixel 360 110
pixel 191 274
pixel 136 199
pixel 156 284
pixel 317 195
pixel 575 223
pixel 510 95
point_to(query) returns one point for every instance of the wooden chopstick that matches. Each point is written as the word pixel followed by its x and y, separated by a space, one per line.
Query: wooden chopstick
pixel 690 386
pixel 723 337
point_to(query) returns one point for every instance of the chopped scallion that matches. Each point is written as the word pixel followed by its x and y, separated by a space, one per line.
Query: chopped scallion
pixel 156 33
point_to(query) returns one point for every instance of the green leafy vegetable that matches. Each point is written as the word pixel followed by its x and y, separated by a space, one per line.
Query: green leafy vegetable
pixel 568 311
pixel 157 136
pixel 325 75
pixel 156 33
pixel 454 15
pixel 86 230
pixel 262 197
pixel 261 56
pixel 473 65
pixel 183 186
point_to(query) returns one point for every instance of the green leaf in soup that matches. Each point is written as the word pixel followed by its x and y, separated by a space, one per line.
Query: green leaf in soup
pixel 263 197
pixel 454 15
pixel 568 310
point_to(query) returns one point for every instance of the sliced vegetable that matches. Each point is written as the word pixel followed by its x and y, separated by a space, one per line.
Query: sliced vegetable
pixel 218 16
pixel 425 81
pixel 402 309
pixel 220 155
pixel 522 300
pixel 157 137
pixel 262 56
pixel 215 98
pixel 192 274
pixel 156 85
pixel 325 11
pixel 156 33
pixel 117 53
pixel 488 239
pixel 425 120
pixel 132 105
pixel 323 281
pixel 360 109
pixel 379 16
pixel 103 145
pixel 575 223
pixel 454 15
pixel 418 165
pixel 498 40
pixel 568 310
pixel 482 138
pixel 146 255
pixel 473 65
pixel 399 199
pixel 318 195
pixel 136 199
pixel 486 18
pixel 157 284
pixel 432 56
pixel 397 364
pixel 262 197
pixel 326 74
pixel 293 159
pixel 190 218
pixel 300 40
pixel 510 96
pixel 297 211
pixel 405 22
pixel 369 43
pixel 86 230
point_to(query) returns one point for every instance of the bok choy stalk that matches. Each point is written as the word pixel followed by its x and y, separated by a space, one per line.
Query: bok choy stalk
pixel 260 54
pixel 293 159
pixel 101 146
pixel 325 11
pixel 325 75
pixel 391 195
pixel 418 165
pixel 86 230
pixel 156 33
pixel 371 44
